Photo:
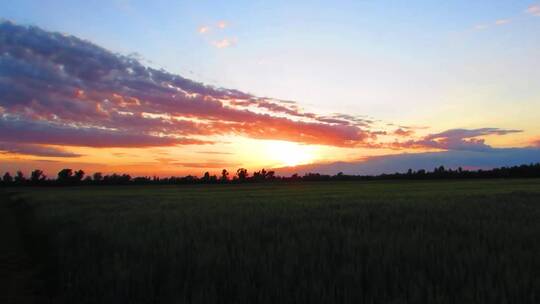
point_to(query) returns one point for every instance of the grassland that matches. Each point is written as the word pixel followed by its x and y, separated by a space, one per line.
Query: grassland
pixel 347 242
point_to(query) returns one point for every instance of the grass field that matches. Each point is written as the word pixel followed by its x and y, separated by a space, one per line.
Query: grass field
pixel 346 242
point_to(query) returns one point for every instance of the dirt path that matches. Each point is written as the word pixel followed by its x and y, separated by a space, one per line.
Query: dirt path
pixel 17 272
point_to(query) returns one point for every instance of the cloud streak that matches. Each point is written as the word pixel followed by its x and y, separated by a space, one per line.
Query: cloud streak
pixel 456 139
pixel 203 29
pixel 25 131
pixel 533 10
pixel 34 150
pixel 222 24
pixel 225 43
pixel 503 21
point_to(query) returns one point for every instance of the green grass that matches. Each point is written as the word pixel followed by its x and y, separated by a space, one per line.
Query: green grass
pixel 346 242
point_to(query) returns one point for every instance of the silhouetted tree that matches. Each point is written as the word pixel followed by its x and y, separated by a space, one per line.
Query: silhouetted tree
pixel 65 175
pixel 270 175
pixel 19 177
pixel 7 178
pixel 78 176
pixel 206 177
pixel 224 175
pixel 258 175
pixel 116 179
pixel 37 176
pixel 263 175
pixel 68 177
pixel 98 176
pixel 242 174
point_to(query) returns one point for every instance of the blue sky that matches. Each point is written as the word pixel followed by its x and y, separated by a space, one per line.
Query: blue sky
pixel 300 44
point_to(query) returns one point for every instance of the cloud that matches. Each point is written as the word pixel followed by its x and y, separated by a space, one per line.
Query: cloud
pixel 225 43
pixel 403 132
pixel 34 150
pixel 24 131
pixel 79 94
pixel 222 24
pixel 402 162
pixel 203 29
pixel 502 21
pixel 481 27
pixel 207 164
pixel 533 10
pixel 215 152
pixel 456 139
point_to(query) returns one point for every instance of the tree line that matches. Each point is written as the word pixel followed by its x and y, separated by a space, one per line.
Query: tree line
pixel 66 177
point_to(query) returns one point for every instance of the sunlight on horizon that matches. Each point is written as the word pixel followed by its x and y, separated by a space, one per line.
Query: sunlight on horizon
pixel 284 153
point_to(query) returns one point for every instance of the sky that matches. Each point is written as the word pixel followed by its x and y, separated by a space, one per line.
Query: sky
pixel 183 87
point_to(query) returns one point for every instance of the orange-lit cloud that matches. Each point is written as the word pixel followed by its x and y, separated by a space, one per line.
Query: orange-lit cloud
pixel 403 132
pixel 114 101
pixel 207 164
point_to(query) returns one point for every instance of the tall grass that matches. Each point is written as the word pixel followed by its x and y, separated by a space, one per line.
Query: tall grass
pixel 377 242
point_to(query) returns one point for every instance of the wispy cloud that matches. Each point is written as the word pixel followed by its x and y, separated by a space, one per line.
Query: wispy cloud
pixel 222 24
pixel 203 29
pixel 534 10
pixel 481 27
pixel 215 152
pixel 207 164
pixel 34 150
pixel 403 132
pixel 225 43
pixel 503 21
pixel 456 139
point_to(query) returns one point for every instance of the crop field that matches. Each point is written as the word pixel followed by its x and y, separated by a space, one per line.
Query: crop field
pixel 474 241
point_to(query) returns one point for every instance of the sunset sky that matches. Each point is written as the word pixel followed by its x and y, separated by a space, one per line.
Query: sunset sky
pixel 183 87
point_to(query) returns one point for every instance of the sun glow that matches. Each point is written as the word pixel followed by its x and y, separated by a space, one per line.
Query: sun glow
pixel 285 153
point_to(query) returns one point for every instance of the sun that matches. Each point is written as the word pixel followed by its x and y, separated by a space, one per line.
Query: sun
pixel 288 154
